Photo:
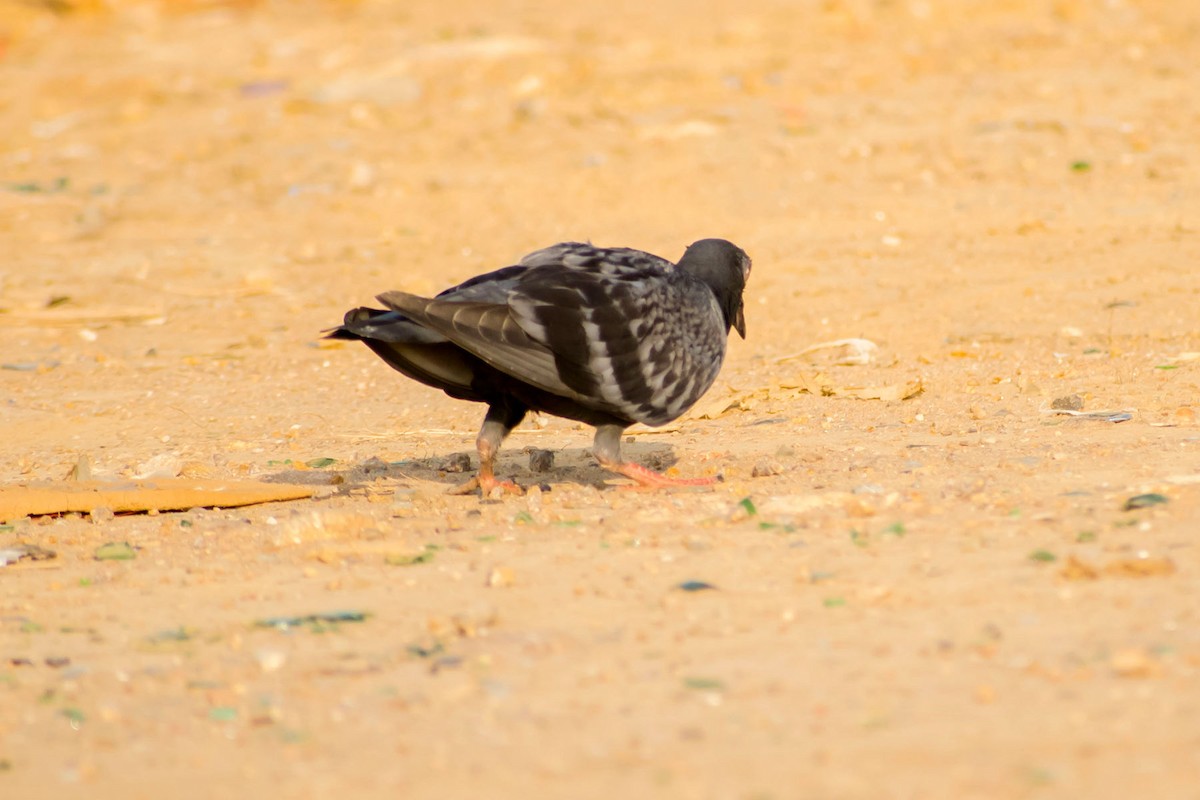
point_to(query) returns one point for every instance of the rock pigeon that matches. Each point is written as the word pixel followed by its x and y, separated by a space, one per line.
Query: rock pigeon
pixel 607 336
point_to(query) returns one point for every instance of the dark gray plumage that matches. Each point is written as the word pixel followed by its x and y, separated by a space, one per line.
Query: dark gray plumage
pixel 605 336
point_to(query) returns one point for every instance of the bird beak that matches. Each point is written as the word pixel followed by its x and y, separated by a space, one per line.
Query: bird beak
pixel 739 321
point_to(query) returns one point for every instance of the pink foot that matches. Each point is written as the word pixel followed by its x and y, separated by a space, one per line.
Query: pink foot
pixel 649 479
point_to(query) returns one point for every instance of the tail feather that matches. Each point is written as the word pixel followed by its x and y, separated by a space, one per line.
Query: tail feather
pixel 363 324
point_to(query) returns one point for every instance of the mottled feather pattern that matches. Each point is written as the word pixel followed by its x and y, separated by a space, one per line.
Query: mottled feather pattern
pixel 614 322
pixel 588 258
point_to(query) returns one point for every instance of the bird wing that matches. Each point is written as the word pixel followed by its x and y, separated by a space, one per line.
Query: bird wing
pixel 489 331
pixel 614 329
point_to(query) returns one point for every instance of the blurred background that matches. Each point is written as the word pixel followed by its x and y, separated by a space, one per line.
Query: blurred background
pixel 1000 194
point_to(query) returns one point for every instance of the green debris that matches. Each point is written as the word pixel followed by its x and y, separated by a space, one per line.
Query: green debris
pixel 408 559
pixel 317 623
pixel 1081 166
pixel 695 586
pixel 833 602
pixel 748 506
pixel 1044 556
pixel 180 634
pixel 115 551
pixel 422 651
pixel 704 684
pixel 1145 501
pixel 320 463
pixel 895 529
pixel 33 187
pixel 1086 536
pixel 222 714
pixel 74 715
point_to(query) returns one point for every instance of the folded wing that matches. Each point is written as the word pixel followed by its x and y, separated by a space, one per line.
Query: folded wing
pixel 612 329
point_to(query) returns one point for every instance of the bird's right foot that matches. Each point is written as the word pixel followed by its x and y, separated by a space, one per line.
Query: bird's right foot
pixel 647 478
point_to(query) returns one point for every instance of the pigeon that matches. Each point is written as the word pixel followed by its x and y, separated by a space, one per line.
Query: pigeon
pixel 606 336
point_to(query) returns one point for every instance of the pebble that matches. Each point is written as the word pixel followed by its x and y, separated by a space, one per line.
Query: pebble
pixel 540 460
pixel 1133 663
pixel 1070 402
pixel 459 462
pixel 270 660
pixel 766 468
pixel 101 515
pixel 501 577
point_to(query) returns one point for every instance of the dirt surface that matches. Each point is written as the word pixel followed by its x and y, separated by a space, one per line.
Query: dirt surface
pixel 938 596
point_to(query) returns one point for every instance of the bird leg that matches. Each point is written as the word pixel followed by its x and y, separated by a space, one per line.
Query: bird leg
pixel 495 428
pixel 488 444
pixel 607 450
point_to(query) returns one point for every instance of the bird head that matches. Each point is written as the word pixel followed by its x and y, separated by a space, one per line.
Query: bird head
pixel 725 268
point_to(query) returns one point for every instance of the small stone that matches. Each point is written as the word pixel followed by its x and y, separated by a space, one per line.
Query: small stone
pixel 540 460
pixel 533 499
pixel 459 462
pixel 374 464
pixel 82 471
pixel 33 552
pixel 766 468
pixel 501 577
pixel 197 469
pixel 270 660
pixel 1077 570
pixel 362 177
pixel 1133 663
pixel 163 465
pixel 1070 402
pixel 101 515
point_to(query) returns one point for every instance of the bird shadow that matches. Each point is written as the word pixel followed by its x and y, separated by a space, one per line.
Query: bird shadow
pixel 529 466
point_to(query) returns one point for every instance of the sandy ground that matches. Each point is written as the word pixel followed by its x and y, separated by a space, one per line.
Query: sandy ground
pixel 938 596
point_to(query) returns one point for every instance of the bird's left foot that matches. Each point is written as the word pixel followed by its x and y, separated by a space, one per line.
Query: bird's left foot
pixel 488 488
pixel 486 485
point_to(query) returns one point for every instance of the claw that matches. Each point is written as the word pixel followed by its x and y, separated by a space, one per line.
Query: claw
pixel 486 488
pixel 486 483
